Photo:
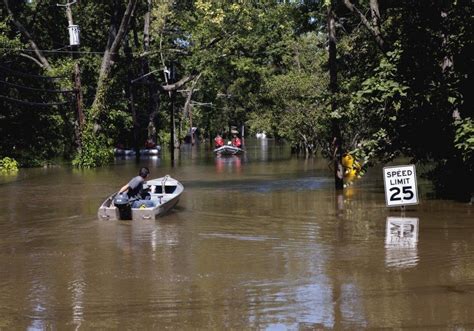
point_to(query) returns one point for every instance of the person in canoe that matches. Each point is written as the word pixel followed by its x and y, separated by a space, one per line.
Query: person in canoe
pixel 135 191
pixel 236 142
pixel 218 141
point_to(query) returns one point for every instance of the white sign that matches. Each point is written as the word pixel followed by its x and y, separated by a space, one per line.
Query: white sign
pixel 73 35
pixel 400 185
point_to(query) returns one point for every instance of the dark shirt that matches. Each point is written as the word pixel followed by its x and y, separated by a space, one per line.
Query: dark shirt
pixel 135 187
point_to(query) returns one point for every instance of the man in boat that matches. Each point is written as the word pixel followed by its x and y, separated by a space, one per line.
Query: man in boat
pixel 218 141
pixel 149 144
pixel 236 141
pixel 135 190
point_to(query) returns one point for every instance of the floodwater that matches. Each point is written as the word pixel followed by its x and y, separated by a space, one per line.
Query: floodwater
pixel 260 241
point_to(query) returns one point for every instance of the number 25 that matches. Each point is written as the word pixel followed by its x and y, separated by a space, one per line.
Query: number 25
pixel 406 190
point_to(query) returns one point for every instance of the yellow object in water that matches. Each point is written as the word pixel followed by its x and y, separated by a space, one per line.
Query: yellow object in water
pixel 347 160
pixel 349 192
pixel 350 174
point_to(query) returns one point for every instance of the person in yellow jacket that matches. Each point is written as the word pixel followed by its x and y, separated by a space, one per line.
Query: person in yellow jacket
pixel 352 168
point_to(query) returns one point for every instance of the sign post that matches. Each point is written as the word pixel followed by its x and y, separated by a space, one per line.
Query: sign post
pixel 400 185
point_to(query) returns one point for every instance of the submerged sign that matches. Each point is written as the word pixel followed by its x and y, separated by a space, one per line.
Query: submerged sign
pixel 401 232
pixel 400 185
pixel 401 240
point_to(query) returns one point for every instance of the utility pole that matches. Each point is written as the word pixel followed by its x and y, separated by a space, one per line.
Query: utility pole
pixel 172 99
pixel 333 86
pixel 74 45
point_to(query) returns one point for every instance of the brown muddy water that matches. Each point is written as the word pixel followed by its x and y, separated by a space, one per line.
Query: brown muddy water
pixel 259 241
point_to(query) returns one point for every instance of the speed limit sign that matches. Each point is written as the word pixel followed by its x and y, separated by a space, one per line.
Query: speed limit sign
pixel 400 185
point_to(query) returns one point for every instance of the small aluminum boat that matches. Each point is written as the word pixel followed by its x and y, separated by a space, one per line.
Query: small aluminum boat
pixel 228 150
pixel 164 195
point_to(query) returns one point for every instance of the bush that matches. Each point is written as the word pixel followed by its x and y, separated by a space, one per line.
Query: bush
pixel 8 165
pixel 96 151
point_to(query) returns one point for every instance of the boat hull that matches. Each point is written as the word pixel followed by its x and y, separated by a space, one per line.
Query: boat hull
pixel 165 193
pixel 228 150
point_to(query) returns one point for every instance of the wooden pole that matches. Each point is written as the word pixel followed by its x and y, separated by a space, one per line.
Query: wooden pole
pixel 77 81
pixel 333 86
pixel 172 97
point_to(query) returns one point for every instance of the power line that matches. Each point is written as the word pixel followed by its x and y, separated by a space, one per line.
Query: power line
pixel 19 73
pixel 53 51
pixel 29 103
pixel 36 89
pixel 70 51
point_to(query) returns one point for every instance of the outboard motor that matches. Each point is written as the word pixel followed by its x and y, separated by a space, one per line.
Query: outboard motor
pixel 122 202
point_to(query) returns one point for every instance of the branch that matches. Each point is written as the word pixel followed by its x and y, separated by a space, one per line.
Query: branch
pixel 67 4
pixel 113 46
pixel 32 59
pixel 190 95
pixel 375 33
pixel 133 81
pixel 107 60
pixel 44 62
pixel 177 85
pixel 123 26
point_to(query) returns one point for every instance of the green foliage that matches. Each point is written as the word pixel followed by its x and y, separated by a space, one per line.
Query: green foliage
pixel 376 147
pixel 383 86
pixel 464 140
pixel 64 68
pixel 262 122
pixel 165 138
pixel 96 150
pixel 373 114
pixel 8 165
pixel 299 106
pixel 8 44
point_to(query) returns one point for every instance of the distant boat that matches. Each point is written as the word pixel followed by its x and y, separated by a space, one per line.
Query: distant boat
pixel 123 152
pixel 228 150
pixel 164 195
pixel 130 152
pixel 261 135
pixel 150 151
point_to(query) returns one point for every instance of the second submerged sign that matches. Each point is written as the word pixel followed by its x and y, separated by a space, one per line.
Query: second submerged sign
pixel 400 185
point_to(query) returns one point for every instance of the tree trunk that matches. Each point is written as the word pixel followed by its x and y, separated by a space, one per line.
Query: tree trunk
pixel 77 86
pixel 130 96
pixel 375 12
pixel 188 108
pixel 108 58
pixel 337 139
pixel 78 105
pixel 153 95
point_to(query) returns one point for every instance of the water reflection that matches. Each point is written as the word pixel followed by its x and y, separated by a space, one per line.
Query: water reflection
pixel 154 160
pixel 229 164
pixel 263 149
pixel 77 303
pixel 401 241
